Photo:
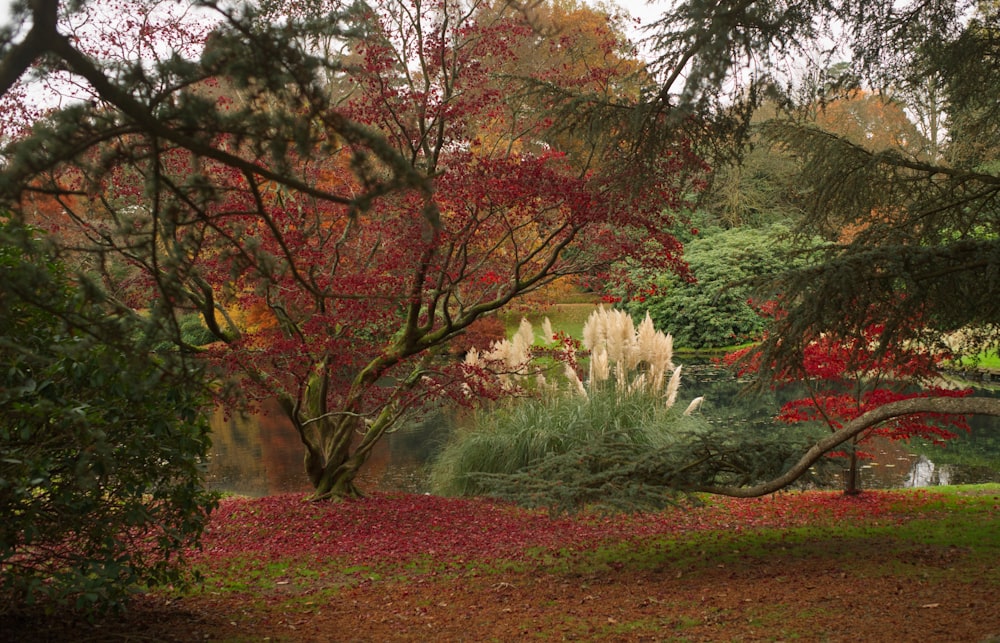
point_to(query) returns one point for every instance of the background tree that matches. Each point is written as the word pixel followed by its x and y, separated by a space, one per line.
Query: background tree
pixel 101 441
pixel 924 229
pixel 755 190
pixel 717 308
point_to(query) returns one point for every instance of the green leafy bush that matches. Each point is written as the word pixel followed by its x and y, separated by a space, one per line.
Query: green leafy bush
pixel 715 311
pixel 100 443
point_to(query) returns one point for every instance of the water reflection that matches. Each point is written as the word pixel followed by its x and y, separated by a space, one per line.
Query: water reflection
pixel 261 454
pixel 255 455
pixel 968 459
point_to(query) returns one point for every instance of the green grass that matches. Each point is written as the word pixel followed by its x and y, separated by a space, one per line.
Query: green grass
pixel 953 517
pixel 987 360
pixel 570 315
pixel 949 538
pixel 565 317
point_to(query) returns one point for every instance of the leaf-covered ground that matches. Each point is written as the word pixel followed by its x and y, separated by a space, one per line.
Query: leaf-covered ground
pixel 817 566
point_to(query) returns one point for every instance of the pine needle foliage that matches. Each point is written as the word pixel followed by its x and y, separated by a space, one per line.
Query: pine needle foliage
pixel 925 260
pixel 615 473
pixel 913 228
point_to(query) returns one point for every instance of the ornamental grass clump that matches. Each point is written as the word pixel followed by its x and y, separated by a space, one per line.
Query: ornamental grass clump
pixel 628 394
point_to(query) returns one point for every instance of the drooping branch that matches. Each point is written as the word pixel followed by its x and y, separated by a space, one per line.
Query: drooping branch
pixel 949 405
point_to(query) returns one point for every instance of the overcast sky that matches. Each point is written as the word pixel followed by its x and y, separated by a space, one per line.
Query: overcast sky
pixel 646 11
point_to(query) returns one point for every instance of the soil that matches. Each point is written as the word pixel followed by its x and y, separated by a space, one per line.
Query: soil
pixel 840 592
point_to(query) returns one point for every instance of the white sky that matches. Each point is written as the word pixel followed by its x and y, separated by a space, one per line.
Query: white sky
pixel 646 11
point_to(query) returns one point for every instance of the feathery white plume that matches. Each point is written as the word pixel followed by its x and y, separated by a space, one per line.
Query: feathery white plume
pixel 694 405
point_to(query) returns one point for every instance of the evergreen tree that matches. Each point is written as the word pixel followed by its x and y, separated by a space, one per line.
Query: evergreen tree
pixel 923 260
pixel 922 257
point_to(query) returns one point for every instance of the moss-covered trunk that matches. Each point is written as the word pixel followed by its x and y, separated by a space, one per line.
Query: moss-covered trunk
pixel 334 456
pixel 332 461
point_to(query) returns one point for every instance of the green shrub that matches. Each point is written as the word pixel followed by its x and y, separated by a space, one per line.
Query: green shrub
pixel 630 390
pixel 615 440
pixel 100 444
pixel 194 331
pixel 715 311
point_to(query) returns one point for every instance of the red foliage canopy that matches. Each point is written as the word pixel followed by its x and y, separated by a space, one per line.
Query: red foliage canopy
pixel 846 377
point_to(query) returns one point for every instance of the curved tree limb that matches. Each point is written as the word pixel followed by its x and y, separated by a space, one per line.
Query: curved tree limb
pixel 950 405
pixel 21 56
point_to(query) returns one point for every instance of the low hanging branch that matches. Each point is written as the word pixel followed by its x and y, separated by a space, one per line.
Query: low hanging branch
pixel 947 405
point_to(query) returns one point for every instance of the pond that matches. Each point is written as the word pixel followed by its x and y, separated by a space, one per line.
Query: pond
pixel 261 454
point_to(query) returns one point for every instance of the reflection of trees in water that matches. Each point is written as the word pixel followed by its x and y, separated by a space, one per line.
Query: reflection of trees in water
pixel 261 454
pixel 925 473
pixel 972 457
pixel 256 454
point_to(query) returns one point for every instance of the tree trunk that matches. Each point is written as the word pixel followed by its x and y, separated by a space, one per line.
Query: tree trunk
pixel 851 487
pixel 343 465
pixel 330 464
pixel 338 481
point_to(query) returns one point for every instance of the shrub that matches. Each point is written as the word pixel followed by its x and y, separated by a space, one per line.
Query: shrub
pixel 194 332
pixel 522 434
pixel 100 443
pixel 716 311
pixel 615 440
pixel 630 390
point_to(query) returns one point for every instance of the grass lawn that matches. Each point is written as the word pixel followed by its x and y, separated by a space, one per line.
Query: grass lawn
pixel 566 317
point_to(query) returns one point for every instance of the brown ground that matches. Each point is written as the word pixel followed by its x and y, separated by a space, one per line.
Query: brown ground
pixel 841 593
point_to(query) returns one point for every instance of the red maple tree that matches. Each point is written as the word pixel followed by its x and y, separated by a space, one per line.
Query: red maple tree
pixel 338 236
pixel 847 377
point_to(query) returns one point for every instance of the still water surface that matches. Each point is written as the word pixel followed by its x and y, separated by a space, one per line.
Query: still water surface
pixel 261 454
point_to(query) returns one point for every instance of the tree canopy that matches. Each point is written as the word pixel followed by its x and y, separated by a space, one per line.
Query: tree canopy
pixel 339 191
